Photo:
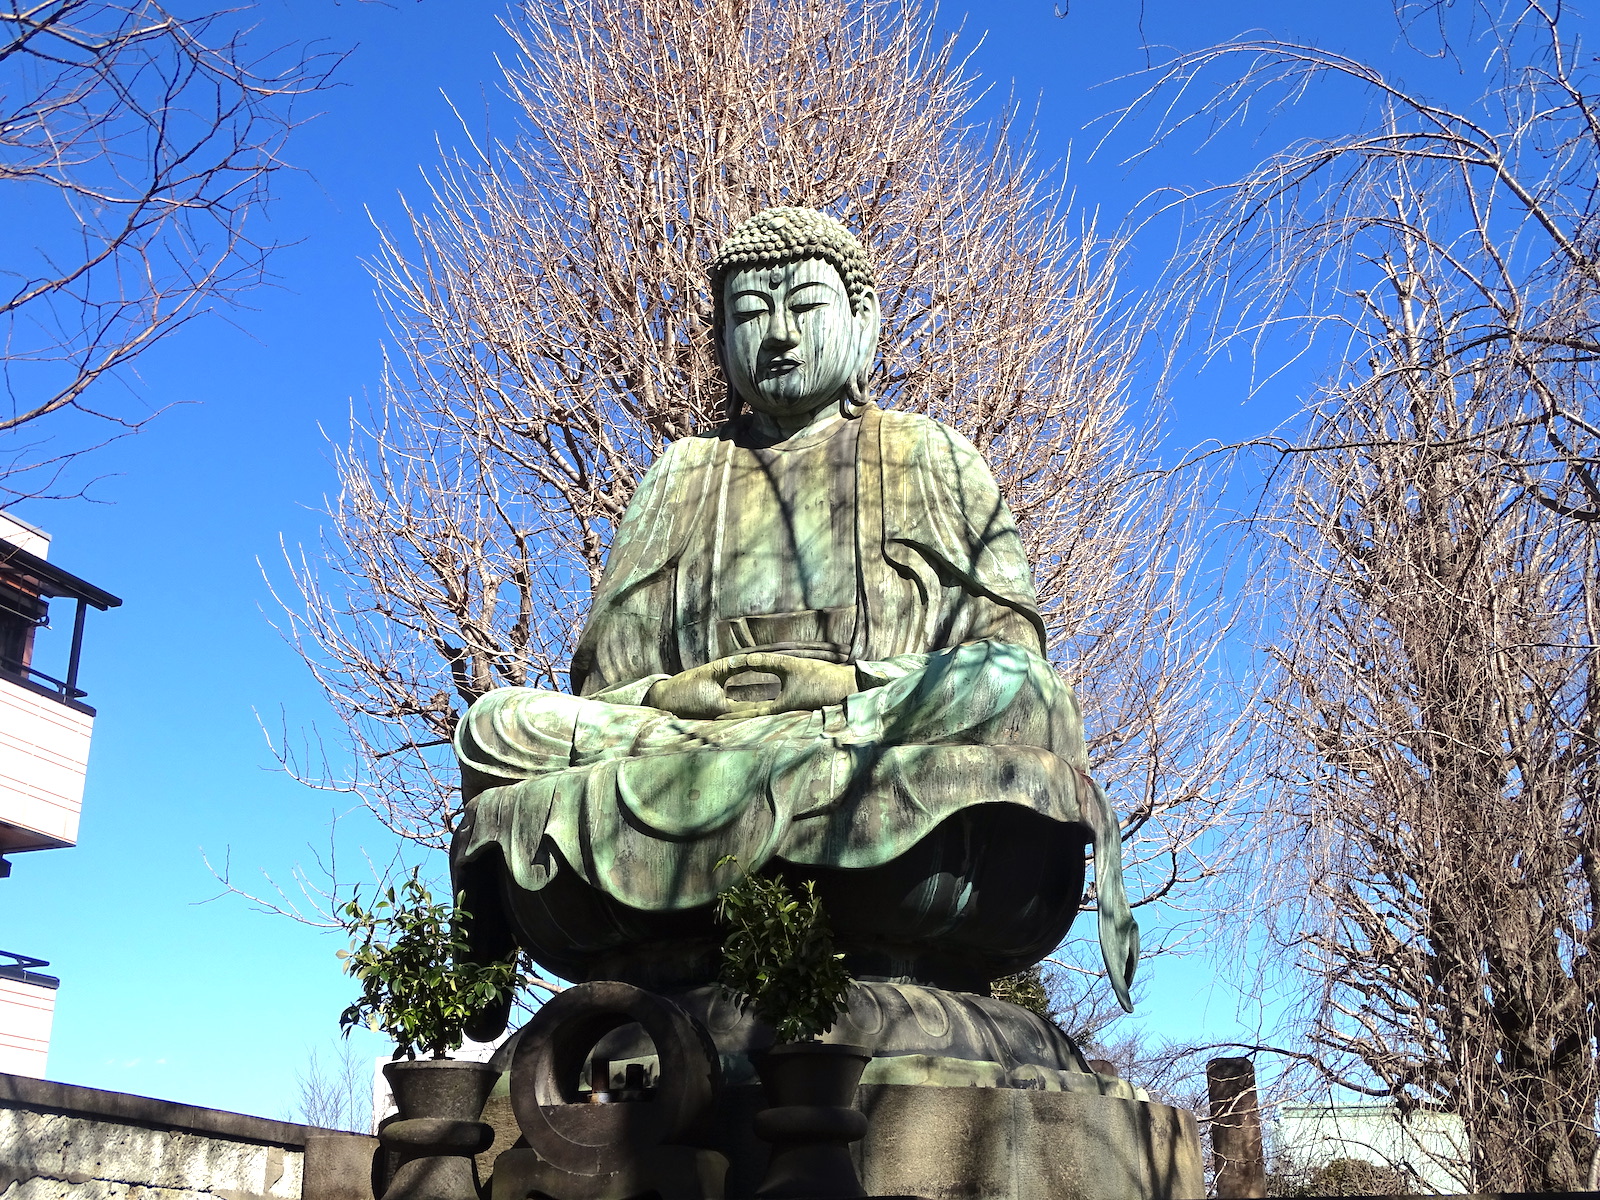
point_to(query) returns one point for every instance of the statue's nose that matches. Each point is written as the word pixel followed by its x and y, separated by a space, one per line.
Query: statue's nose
pixel 783 331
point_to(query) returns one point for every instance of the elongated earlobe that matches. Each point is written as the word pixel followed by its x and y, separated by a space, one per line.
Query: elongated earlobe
pixel 856 396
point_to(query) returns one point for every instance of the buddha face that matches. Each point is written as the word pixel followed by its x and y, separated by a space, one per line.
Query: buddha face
pixel 790 341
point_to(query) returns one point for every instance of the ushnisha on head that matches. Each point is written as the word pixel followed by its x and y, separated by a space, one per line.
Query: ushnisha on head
pixel 795 315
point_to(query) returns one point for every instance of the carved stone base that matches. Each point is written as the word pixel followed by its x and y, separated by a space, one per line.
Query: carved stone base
pixel 427 1148
pixel 967 1144
pixel 916 1034
pixel 1019 1144
pixel 669 1112
pixel 810 1119
pixel 666 1172
pixel 997 1144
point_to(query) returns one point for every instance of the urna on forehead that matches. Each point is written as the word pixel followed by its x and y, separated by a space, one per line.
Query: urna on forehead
pixel 784 235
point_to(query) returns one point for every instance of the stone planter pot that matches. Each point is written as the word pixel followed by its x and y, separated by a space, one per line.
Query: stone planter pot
pixel 430 1142
pixel 811 1118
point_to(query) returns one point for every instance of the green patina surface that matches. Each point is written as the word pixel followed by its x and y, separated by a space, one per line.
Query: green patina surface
pixel 816 638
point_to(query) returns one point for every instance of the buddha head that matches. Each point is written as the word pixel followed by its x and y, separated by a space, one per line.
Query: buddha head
pixel 795 315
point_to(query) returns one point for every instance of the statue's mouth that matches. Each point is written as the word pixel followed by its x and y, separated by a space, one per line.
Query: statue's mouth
pixel 778 367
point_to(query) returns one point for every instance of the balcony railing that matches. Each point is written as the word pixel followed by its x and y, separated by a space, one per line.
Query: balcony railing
pixel 30 576
pixel 38 681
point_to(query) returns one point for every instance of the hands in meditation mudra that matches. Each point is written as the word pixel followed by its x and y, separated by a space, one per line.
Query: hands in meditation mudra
pixel 816 647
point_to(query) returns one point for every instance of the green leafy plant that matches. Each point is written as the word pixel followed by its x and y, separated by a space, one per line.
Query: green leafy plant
pixel 416 985
pixel 1026 989
pixel 778 956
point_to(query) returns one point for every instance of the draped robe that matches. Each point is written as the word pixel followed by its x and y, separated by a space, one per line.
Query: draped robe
pixel 928 594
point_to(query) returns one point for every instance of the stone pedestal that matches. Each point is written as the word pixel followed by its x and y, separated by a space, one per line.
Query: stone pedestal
pixel 1037 1125
pixel 994 1144
pixel 977 1143
pixel 428 1147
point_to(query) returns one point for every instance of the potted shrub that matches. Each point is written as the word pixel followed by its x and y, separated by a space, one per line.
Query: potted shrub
pixel 418 988
pixel 778 960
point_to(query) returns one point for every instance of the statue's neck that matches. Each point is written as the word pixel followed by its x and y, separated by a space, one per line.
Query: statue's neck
pixel 769 428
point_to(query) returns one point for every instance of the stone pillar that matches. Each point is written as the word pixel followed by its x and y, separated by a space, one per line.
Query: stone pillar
pixel 1241 1169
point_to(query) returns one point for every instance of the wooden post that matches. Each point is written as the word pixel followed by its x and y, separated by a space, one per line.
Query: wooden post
pixel 1236 1129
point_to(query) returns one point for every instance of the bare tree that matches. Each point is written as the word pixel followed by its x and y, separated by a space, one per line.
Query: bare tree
pixel 1440 729
pixel 336 1095
pixel 1505 187
pixel 550 320
pixel 134 145
pixel 1434 581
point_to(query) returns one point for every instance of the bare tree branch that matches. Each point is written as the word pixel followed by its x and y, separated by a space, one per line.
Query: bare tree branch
pixel 1508 195
pixel 137 145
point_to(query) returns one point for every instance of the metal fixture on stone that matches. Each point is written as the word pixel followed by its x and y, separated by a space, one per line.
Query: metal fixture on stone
pixel 609 1144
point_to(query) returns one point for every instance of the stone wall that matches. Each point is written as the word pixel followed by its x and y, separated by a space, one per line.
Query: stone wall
pixel 59 1141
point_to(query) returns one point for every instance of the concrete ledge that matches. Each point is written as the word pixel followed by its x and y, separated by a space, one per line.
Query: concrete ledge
pixel 40 1095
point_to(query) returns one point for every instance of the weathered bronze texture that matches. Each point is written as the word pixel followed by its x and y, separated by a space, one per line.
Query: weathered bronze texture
pixel 816 648
pixel 916 1035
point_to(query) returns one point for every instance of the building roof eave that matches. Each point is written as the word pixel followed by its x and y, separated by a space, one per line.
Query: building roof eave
pixel 51 580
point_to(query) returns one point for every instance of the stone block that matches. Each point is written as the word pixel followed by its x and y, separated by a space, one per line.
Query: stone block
pixel 338 1166
pixel 1020 1144
pixel 977 1143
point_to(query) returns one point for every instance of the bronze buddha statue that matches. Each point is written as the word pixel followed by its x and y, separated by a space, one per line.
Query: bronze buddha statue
pixel 816 647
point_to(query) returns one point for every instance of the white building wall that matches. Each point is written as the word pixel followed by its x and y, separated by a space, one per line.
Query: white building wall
pixel 1429 1145
pixel 26 1013
pixel 24 536
pixel 44 754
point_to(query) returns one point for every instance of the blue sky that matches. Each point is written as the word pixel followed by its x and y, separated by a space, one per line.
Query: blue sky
pixel 211 1003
